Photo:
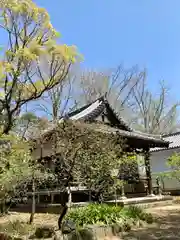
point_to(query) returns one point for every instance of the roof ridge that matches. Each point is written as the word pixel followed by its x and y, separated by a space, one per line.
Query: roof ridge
pixel 149 134
pixel 120 118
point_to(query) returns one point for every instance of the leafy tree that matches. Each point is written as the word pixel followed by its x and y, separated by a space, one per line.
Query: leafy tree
pixel 31 44
pixel 14 166
pixel 18 171
pixel 83 153
pixel 173 163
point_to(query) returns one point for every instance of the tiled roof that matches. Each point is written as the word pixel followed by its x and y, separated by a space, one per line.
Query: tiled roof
pixel 173 139
pixel 133 134
pixel 93 110
pixel 90 112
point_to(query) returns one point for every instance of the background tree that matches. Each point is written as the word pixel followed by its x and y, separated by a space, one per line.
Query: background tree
pixel 30 126
pixel 24 122
pixel 117 84
pixel 56 102
pixel 84 86
pixel 31 43
pixel 153 113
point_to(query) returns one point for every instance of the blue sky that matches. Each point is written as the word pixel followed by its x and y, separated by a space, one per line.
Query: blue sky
pixel 110 32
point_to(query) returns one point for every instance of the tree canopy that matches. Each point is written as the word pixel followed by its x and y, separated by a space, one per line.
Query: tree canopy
pixel 31 44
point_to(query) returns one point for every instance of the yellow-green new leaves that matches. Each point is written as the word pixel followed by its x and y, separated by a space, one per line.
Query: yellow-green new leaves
pixel 33 62
pixel 26 10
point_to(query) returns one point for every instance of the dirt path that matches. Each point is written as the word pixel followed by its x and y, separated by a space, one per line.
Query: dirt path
pixel 166 228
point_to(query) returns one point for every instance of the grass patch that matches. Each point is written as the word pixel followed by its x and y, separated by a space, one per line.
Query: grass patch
pixel 103 214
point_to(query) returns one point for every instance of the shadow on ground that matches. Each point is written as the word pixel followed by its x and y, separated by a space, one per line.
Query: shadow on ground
pixel 167 227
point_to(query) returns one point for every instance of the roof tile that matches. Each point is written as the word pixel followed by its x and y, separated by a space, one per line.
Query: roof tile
pixel 173 139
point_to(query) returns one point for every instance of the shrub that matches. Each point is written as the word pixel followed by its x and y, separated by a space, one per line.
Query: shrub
pixel 134 212
pixel 137 213
pixel 103 214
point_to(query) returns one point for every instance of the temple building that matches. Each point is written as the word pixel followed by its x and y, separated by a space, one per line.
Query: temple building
pixel 100 112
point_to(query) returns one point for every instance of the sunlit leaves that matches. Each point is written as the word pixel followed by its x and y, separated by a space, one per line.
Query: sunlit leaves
pixel 31 49
pixel 14 163
pixel 173 162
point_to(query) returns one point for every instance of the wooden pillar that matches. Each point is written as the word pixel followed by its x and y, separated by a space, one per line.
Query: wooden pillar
pixel 123 196
pixel 148 171
pixel 52 198
pixel 69 197
pixel 90 195
pixel 38 198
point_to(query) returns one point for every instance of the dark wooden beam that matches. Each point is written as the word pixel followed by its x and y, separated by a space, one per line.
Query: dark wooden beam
pixel 148 170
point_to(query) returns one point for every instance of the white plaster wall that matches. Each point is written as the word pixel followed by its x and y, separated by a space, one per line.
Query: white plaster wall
pixel 158 166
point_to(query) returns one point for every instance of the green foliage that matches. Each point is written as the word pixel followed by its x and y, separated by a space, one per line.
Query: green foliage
pixel 104 214
pixel 17 168
pixel 173 162
pixel 95 214
pixel 31 48
pixel 136 212
pixel 88 155
pixel 14 164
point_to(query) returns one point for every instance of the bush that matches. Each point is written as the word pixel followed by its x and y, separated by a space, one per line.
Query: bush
pixel 133 212
pixel 137 213
pixel 103 214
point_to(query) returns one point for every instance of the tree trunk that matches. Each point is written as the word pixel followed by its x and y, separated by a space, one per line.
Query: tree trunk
pixel 2 207
pixel 33 203
pixel 64 210
pixel 63 214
